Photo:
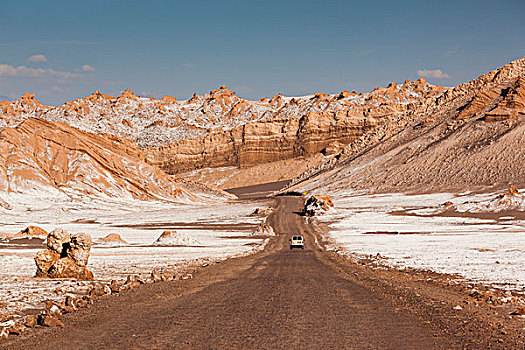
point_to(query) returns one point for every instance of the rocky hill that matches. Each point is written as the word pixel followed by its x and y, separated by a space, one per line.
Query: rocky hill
pixel 39 158
pixel 151 122
pixel 399 123
pixel 472 137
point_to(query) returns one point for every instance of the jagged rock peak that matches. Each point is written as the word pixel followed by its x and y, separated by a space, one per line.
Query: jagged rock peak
pixel 128 94
pixel 97 94
pixel 194 98
pixel 168 99
pixel 28 96
pixel 223 90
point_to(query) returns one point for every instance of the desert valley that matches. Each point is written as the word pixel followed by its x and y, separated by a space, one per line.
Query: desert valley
pixel 412 178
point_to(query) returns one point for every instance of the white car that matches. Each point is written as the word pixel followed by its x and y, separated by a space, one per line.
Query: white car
pixel 297 242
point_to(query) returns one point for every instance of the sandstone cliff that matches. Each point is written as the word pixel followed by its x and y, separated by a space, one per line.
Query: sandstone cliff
pixel 40 158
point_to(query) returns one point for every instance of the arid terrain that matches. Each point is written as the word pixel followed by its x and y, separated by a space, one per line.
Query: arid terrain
pixel 310 298
pixel 410 197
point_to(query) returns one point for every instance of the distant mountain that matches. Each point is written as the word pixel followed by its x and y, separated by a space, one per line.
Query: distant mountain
pixel 151 122
pixel 471 137
pixel 404 136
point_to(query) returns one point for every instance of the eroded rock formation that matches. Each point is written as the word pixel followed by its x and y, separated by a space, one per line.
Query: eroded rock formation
pixel 66 256
pixel 175 238
pixel 43 157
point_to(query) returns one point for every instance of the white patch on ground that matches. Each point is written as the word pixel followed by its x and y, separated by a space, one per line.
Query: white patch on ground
pixel 138 223
pixel 487 251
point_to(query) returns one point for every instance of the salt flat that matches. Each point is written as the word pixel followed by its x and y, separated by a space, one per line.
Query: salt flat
pixel 139 223
pixel 489 251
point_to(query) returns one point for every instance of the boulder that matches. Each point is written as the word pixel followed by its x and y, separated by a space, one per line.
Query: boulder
pixel 317 203
pixel 67 268
pixel 520 311
pixel 49 321
pixel 31 321
pixel 44 259
pixel 66 256
pixel 114 286
pixel 79 247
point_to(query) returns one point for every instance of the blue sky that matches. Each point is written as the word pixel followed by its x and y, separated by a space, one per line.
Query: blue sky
pixel 62 50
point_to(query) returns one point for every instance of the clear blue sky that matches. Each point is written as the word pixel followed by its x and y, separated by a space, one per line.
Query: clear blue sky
pixel 257 48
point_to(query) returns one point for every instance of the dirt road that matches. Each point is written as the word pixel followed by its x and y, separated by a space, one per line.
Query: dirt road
pixel 275 299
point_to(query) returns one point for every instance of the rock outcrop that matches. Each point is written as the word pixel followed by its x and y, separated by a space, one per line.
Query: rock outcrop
pixel 66 256
pixel 174 238
pixel 43 157
pixel 262 141
pixel 32 231
pixel 113 239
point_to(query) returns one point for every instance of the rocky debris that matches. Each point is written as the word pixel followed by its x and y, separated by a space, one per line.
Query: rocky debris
pixel 99 289
pixel 317 203
pixel 114 286
pixel 510 200
pixel 520 311
pixel 66 256
pixel 260 211
pixel 76 298
pixel 132 281
pixel 46 320
pixel 31 321
pixel 264 229
pixel 11 327
pixel 113 239
pixel 174 238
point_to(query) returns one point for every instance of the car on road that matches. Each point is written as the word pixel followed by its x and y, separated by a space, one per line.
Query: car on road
pixel 297 242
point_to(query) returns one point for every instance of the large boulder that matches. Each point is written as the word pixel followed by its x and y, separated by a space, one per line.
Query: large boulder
pixel 316 204
pixel 66 256
pixel 44 259
pixel 68 268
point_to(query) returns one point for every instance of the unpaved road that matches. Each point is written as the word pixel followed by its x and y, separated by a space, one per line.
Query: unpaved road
pixel 275 299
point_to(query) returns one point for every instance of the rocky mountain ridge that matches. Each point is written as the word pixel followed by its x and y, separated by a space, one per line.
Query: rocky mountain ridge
pixel 472 137
pixel 151 122
pixel 40 158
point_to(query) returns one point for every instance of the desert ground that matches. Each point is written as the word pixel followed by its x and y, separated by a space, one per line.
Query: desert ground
pixel 311 298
